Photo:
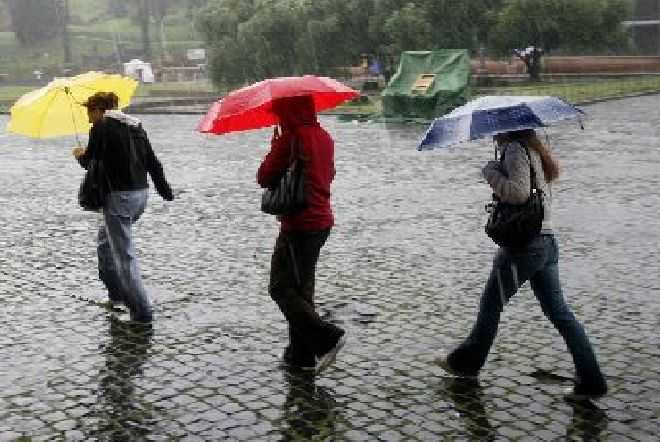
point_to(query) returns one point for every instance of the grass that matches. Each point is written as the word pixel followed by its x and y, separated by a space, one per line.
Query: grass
pixel 175 89
pixel 579 91
pixel 9 94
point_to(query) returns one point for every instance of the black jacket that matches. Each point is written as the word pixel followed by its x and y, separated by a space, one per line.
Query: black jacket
pixel 109 141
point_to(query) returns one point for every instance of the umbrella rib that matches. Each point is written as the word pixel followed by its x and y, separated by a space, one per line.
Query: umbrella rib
pixel 43 117
pixel 73 119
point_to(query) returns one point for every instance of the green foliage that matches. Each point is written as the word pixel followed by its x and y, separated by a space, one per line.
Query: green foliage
pixel 399 24
pixel 118 8
pixel 567 25
pixel 5 23
pixel 288 37
pixel 257 38
pixel 35 21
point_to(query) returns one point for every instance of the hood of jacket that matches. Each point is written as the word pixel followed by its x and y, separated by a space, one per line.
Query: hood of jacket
pixel 295 112
pixel 122 118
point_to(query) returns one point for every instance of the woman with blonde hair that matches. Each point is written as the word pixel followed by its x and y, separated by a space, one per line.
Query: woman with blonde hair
pixel 537 262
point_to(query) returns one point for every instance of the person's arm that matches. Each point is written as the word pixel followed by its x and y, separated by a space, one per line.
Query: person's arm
pixel 276 162
pixel 510 180
pixel 93 146
pixel 155 169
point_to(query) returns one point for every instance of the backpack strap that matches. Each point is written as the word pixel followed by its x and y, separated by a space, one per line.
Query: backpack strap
pixel 532 174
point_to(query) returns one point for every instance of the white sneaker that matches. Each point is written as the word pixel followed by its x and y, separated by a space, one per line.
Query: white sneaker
pixel 325 360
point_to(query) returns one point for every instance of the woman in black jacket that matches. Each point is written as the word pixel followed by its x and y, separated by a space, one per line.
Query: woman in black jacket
pixel 119 141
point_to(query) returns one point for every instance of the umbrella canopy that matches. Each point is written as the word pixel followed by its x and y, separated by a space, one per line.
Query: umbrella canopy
pixel 251 107
pixel 490 115
pixel 56 109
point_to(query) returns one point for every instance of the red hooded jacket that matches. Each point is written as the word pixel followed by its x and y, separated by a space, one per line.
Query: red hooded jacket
pixel 298 119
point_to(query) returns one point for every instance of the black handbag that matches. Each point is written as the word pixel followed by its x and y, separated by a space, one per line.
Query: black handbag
pixel 95 185
pixel 515 225
pixel 287 197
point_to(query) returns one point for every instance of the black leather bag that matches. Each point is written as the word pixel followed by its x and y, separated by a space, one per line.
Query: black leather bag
pixel 287 197
pixel 515 225
pixel 94 187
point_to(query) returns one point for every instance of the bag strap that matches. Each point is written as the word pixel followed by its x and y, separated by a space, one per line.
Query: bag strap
pixel 294 150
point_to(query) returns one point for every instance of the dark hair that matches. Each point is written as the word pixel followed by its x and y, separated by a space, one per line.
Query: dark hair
pixel 531 139
pixel 103 101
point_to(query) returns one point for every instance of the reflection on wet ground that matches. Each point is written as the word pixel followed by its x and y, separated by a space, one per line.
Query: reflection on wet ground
pixel 309 409
pixel 402 271
pixel 121 410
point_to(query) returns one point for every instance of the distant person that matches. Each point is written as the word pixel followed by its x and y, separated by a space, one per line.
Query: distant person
pixel 313 342
pixel 120 142
pixel 537 262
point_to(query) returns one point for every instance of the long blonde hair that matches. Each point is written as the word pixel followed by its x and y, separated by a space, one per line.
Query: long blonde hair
pixel 529 138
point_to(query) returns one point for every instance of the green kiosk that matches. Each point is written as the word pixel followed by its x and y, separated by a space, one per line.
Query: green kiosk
pixel 427 84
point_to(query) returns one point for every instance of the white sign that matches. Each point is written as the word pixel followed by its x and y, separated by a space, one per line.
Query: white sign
pixel 196 54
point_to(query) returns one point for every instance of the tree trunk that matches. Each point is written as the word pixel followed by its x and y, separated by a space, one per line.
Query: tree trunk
pixel 143 17
pixel 66 39
pixel 163 41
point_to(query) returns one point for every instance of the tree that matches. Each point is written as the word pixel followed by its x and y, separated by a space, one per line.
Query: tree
pixel 409 29
pixel 143 18
pixel 159 10
pixel 458 23
pixel 5 23
pixel 294 36
pixel 118 8
pixel 218 22
pixel 64 18
pixel 34 21
pixel 336 33
pixel 573 26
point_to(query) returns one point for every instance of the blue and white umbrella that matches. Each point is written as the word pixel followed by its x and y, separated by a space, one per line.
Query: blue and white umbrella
pixel 490 115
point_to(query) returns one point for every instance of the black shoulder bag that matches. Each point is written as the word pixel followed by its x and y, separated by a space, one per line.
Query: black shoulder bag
pixel 287 197
pixel 95 185
pixel 515 225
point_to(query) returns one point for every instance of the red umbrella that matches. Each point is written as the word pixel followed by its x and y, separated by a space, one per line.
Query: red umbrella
pixel 251 107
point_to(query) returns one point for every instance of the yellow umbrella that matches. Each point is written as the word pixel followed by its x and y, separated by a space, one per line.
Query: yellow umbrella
pixel 56 109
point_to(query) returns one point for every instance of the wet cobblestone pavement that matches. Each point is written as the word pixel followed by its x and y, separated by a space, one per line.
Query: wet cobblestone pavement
pixel 402 272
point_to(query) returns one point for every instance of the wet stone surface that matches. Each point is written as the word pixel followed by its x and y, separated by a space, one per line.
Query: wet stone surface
pixel 402 272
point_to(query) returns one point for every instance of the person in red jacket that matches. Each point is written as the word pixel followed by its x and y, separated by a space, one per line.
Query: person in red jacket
pixel 313 342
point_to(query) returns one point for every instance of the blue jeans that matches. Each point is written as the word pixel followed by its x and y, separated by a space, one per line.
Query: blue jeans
pixel 118 266
pixel 537 263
